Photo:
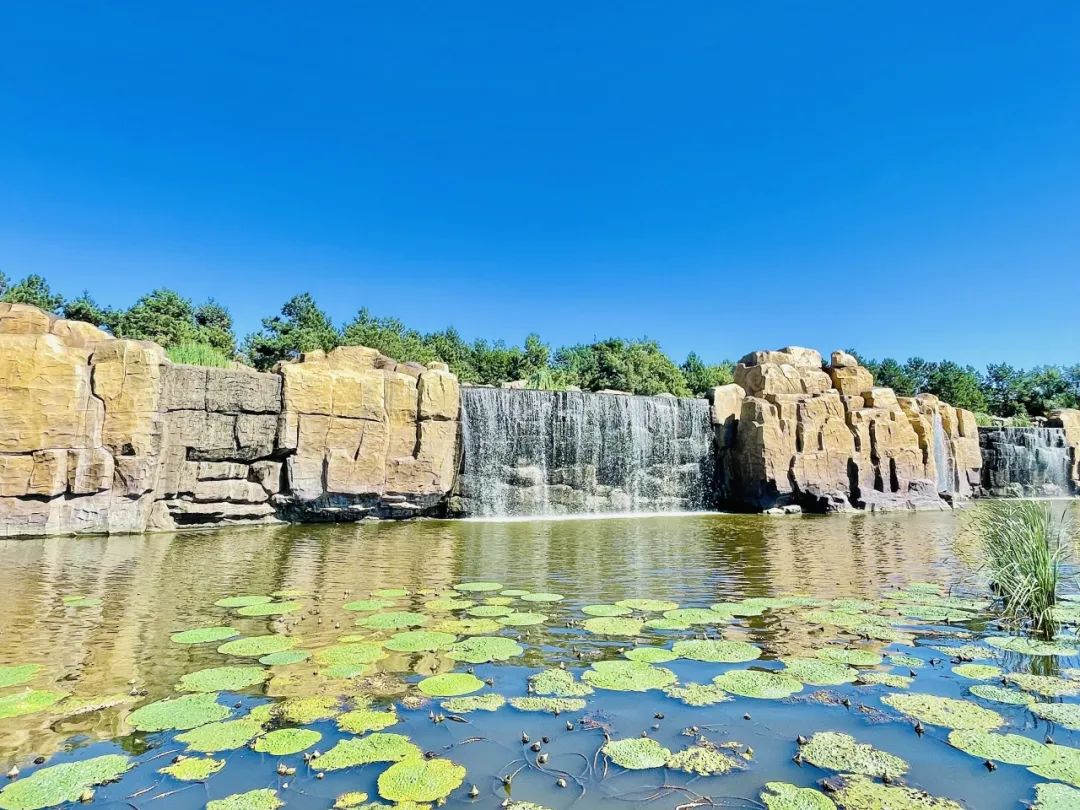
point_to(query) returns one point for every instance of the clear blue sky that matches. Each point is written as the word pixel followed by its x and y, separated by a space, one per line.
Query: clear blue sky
pixel 903 178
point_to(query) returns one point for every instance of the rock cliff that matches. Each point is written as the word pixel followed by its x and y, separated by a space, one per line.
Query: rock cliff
pixel 792 430
pixel 1069 420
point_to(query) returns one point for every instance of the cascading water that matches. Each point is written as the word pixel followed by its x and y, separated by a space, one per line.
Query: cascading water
pixel 530 452
pixel 1024 461
pixel 943 459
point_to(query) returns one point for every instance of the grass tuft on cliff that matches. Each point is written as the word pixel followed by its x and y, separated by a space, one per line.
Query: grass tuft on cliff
pixel 198 354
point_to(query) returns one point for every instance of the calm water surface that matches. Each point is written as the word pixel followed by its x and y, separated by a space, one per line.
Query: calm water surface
pixel 142 589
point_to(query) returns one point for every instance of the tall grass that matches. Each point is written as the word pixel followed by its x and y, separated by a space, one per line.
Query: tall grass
pixel 197 354
pixel 1024 544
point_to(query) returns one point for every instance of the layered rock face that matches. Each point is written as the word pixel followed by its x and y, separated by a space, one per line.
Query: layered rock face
pixel 1068 419
pixel 104 435
pixel 793 431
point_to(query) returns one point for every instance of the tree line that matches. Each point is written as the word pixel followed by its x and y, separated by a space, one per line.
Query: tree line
pixel 203 334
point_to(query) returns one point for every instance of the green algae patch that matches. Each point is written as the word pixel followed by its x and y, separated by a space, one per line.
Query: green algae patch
pixel 855 792
pixel 1046 685
pixel 1056 797
pixel 966 652
pixel 696 616
pixel 222 679
pixel 77 601
pixel 850 656
pixel 474 703
pixel 243 601
pixel 499 600
pixel 227 735
pixel 784 796
pixel 636 753
pixel 470 627
pixel 179 713
pixel 15 674
pixel 261 799
pixel 1062 766
pixel 203 635
pixel 256 646
pixel 605 611
pixel 356 654
pixel 942 711
pixel 889 679
pixel 559 683
pixel 696 694
pixel 757 683
pixel 269 609
pixel 445 605
pixel 359 721
pixel 368 605
pixel 542 597
pixel 613 626
pixel 522 619
pixel 977 672
pixel 482 649
pixel 350 799
pixel 1014 749
pixel 419 641
pixel 628 676
pixel 61 784
pixel 716 652
pixel 377 747
pixel 1029 646
pixel 701 761
pixel 301 711
pixel 490 611
pixel 999 694
pixel 285 741
pixel 76 705
pixel 551 705
pixel 394 620
pixel 450 684
pixel 1063 714
pixel 650 655
pixel 420 780
pixel 28 702
pixel 904 660
pixel 477 587
pixel 666 624
pixel 193 769
pixel 834 751
pixel 819 673
pixel 284 658
pixel 648 605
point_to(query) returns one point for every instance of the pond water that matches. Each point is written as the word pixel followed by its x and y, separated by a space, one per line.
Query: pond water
pixel 885 593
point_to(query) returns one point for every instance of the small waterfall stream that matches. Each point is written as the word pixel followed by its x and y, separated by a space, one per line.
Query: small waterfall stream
pixel 943 460
pixel 530 452
pixel 1024 461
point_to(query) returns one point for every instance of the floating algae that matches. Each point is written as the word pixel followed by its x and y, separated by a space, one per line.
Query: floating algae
pixel 1046 685
pixel 816 672
pixel 647 605
pixel 261 799
pixel 285 741
pixel 15 674
pixel 255 646
pixel 474 703
pixel 269 609
pixel 222 679
pixel 1015 749
pixel 542 597
pixel 1029 646
pixel 482 649
pixel 1063 714
pixel 394 620
pixel 448 604
pixel 834 751
pixel 690 616
pixel 636 753
pixel 60 784
pixel 977 672
pixel 1056 797
pixel 606 611
pixel 419 641
pixel 553 705
pixel 523 619
pixel 942 711
pixel 999 694
pixel 558 683
pixel 377 747
pixel 1062 766
pixel 757 683
pixel 696 694
pixel 227 735
pixel 181 713
pixel 850 656
pixel 890 679
pixel 782 796
pixel 613 626
pixel 368 605
pixel 193 769
pixel 650 655
pixel 243 601
pixel 284 658
pixel 450 684
pixel 855 792
pixel 202 635
pixel 490 611
pixel 702 761
pixel 716 652
pixel 420 780
pixel 351 799
pixel 628 676
pixel 359 721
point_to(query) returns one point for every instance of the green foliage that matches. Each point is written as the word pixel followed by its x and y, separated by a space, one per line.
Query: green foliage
pixel 34 290
pixel 166 317
pixel 86 309
pixel 637 366
pixel 301 327
pixel 701 378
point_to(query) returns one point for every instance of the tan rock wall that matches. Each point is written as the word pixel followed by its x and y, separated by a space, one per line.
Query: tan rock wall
pixel 1069 419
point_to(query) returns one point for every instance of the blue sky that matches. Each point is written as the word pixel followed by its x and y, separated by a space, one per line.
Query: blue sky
pixel 903 178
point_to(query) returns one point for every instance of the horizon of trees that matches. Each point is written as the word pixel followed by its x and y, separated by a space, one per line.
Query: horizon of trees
pixel 203 333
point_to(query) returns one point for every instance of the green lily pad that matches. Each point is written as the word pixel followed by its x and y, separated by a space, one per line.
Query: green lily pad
pixel 193 769
pixel 15 674
pixel 419 641
pixel 552 705
pixel 395 620
pixel 34 700
pixel 477 587
pixel 301 711
pixel 352 654
pixel 628 676
pixel 482 649
pixel 607 611
pixel 524 619
pixel 648 605
pixel 1029 646
pixel 255 646
pixel 636 753
pixel 716 652
pixel 1046 685
pixel 966 652
pixel 515 592
pixel 850 656
pixel 502 601
pixel 441 605
pixel 227 735
pixel 758 683
pixel 285 741
pixel 350 799
pixel 696 694
pixel 702 761
pixel 359 721
pixel 1056 797
pixel 269 609
pixel 1015 749
pixel 558 682
pixel 542 597
pixel 834 751
pixel 650 655
pixel 1062 766
pixel 182 713
pixel 490 611
pixel 1000 694
pixel 977 672
pixel 474 703
pixel 1063 714
pixel 202 635
pixel 450 684
pixel 696 616
pixel 242 601
pixel 61 784
pixel 284 658
pixel 377 747
pixel 606 626
pixel 666 624
pixel 470 627
pixel 782 796
pixel 368 605
pixel 904 660
pixel 420 780
pixel 856 792
pixel 222 679
pixel 819 673
pixel 942 711
pixel 261 799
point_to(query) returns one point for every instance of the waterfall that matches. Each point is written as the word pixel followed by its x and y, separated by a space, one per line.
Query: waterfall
pixel 1024 462
pixel 530 452
pixel 943 460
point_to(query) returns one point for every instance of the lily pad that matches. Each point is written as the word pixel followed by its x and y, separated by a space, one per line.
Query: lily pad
pixel 193 769
pixel 696 616
pixel 368 605
pixel 834 751
pixel 1029 646
pixel 419 641
pixel 605 610
pixel 179 713
pixel 850 656
pixel 1062 766
pixel 636 753
pixel 353 798
pixel 261 799
pixel 227 735
pixel 702 761
pixel 1015 749
pixel 977 672
pixel 856 792
pixel 470 627
pixel 77 705
pixel 696 694
pixel 356 654
pixel 650 655
pixel 542 597
pixel 666 624
pixel 360 721
pixel 242 601
pixel 450 684
pixel 1056 797
pixel 942 711
pixel 477 587
pixel 628 676
pixel 377 747
pixel 607 626
pixel 474 703
pixel 648 605
pixel 420 780
pixel 304 711
pixel 284 658
pixel 515 592
pixel 269 609
pixel 222 679
pixel 28 702
pixel 783 796
pixel 1063 714
pixel 554 705
pixel 60 784
pixel 490 611
pixel 15 674
pixel 285 741
pixel 716 652
pixel 1000 694
pixel 758 683
pixel 1046 685
pixel 558 682
pixel 202 635
pixel 523 619
pixel 819 673
pixel 502 601
pixel 482 649
pixel 441 605
pixel 256 646
pixel 395 620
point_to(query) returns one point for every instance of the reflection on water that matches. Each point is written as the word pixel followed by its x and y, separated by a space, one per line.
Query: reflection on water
pixel 152 586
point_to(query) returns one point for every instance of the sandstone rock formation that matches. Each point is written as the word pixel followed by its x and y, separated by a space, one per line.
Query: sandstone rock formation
pixel 1069 420
pixel 791 431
